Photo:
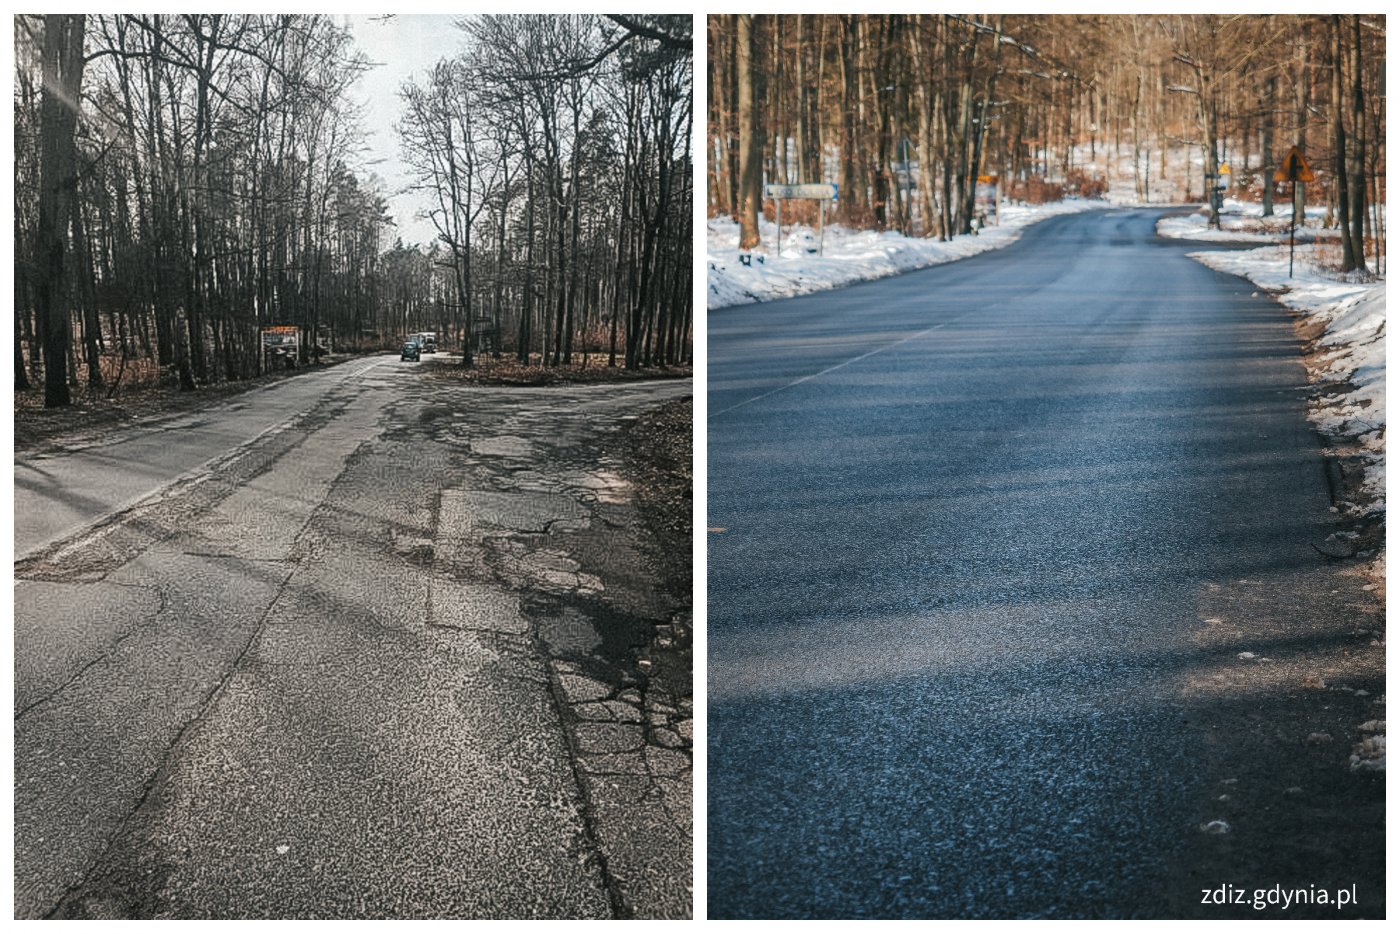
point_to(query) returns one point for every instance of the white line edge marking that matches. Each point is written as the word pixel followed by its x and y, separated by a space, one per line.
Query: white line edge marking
pixel 832 369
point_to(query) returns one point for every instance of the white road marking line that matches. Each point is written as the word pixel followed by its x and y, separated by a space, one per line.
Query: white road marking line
pixel 832 369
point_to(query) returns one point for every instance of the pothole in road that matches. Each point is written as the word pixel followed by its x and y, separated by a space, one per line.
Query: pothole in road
pixel 523 512
pixel 433 413
pixel 569 632
pixel 584 629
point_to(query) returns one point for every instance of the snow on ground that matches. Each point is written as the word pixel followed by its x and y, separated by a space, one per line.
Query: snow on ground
pixel 1351 345
pixel 848 256
pixel 1169 176
pixel 852 256
pixel 1243 222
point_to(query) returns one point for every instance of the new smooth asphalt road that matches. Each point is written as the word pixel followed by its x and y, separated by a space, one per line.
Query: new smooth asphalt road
pixel 971 516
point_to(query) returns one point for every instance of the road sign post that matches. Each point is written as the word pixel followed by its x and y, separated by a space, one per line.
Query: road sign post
pixel 821 192
pixel 1294 169
pixel 1292 196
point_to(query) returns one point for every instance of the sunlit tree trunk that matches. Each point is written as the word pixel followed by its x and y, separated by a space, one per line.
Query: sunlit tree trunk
pixel 750 141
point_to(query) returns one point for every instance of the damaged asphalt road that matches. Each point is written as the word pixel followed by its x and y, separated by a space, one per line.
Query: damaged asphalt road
pixel 381 660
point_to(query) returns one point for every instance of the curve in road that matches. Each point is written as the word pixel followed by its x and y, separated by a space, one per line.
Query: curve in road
pixel 976 519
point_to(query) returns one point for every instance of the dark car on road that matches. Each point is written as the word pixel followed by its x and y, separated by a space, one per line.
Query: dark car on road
pixel 410 351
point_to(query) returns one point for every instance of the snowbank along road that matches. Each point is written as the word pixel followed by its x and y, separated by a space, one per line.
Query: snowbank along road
pixel 1016 611
pixel 360 644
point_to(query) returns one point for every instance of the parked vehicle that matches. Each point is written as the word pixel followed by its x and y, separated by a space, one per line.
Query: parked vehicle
pixel 410 351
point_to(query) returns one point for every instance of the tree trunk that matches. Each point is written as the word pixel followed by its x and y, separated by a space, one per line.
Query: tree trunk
pixel 1339 152
pixel 92 326
pixel 63 64
pixel 1266 167
pixel 21 377
pixel 750 143
pixel 1358 152
pixel 804 172
pixel 527 310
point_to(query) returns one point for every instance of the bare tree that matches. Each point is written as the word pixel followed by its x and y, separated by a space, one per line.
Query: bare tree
pixel 63 65
pixel 1028 97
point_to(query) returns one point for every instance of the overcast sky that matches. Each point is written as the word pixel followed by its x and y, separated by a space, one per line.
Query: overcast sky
pixel 401 47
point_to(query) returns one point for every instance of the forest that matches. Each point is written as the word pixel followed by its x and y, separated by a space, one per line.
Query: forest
pixel 183 182
pixel 907 112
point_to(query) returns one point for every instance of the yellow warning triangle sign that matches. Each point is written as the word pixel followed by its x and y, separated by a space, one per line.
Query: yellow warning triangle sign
pixel 1293 168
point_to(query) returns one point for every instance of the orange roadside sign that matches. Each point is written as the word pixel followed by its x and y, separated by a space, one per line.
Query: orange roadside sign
pixel 1293 168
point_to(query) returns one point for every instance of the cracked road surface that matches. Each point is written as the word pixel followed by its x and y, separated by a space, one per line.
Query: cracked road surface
pixel 995 535
pixel 359 645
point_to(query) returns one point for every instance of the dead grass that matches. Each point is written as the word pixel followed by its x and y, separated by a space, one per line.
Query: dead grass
pixel 507 371
pixel 656 453
pixel 1327 256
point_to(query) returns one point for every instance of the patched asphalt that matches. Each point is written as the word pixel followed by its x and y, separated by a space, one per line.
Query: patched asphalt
pixel 322 674
pixel 977 520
